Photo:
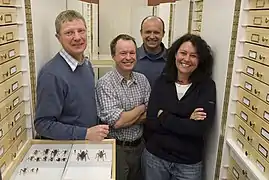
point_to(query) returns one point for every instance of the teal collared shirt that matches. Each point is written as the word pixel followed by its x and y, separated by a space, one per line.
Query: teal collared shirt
pixel 151 65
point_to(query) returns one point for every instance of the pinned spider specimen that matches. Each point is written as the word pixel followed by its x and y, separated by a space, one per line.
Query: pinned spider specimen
pixel 46 151
pixel 31 158
pixel 100 155
pixel 34 170
pixel 23 170
pixel 82 155
pixel 54 152
pixel 36 151
pixel 45 158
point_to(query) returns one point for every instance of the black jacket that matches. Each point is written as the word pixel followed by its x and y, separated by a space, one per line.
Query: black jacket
pixel 173 136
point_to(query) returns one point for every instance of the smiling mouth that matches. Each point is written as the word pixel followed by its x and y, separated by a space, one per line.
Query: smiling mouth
pixel 128 63
pixel 185 65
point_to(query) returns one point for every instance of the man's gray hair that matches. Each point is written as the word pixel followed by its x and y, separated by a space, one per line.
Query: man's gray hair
pixel 65 16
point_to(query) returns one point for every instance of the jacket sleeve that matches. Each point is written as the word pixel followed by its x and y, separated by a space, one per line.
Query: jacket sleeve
pixel 152 124
pixel 187 126
pixel 50 102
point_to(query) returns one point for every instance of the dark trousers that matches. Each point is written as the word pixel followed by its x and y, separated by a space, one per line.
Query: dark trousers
pixel 129 162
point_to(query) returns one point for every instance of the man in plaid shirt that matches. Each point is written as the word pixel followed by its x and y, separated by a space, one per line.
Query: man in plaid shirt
pixel 122 98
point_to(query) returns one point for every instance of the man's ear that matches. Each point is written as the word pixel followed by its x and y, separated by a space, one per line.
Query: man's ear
pixel 57 36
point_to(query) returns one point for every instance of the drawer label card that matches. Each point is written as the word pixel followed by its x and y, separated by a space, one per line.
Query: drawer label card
pixel 10 36
pixel 248 86
pixel 8 18
pixel 260 166
pixel 265 133
pixel 15 86
pixel 266 115
pixel 13 70
pixel 260 3
pixel 11 53
pixel 267 98
pixel 252 54
pixel 16 101
pixel 246 101
pixel 2 151
pixel 17 116
pixel 235 173
pixel 263 150
pixel 257 20
pixel 242 130
pixel 255 38
pixel 250 70
pixel 3 168
pixel 18 132
pixel 240 144
pixel 244 116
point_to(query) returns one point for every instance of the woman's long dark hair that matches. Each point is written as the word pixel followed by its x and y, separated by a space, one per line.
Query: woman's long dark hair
pixel 205 59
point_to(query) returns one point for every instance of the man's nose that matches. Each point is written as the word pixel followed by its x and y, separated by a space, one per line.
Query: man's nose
pixel 77 36
pixel 128 56
pixel 152 35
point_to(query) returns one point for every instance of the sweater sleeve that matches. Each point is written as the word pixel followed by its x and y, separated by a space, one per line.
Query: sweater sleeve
pixel 186 126
pixel 50 102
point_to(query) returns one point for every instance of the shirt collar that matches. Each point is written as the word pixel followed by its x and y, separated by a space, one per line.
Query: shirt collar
pixel 141 51
pixel 121 79
pixel 72 62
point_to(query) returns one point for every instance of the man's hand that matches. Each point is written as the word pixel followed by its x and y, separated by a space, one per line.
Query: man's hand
pixel 198 114
pixel 97 133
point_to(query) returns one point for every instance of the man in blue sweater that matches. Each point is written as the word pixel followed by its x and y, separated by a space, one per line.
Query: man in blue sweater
pixel 66 107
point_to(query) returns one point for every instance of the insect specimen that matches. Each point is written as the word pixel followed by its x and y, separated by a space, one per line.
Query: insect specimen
pixel 100 155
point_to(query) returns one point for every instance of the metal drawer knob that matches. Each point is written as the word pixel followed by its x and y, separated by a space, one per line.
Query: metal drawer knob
pixel 254 108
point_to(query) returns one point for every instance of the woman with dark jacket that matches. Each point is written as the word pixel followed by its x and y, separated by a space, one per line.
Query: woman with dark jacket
pixel 180 111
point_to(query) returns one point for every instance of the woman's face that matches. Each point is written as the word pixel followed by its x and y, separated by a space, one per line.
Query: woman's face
pixel 186 58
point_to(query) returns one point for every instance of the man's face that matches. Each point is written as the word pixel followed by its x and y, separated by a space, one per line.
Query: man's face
pixel 73 37
pixel 152 33
pixel 125 55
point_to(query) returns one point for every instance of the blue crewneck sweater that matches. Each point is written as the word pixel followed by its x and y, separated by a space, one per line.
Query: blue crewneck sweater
pixel 66 104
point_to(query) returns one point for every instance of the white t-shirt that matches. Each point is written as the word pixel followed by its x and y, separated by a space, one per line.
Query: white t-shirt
pixel 181 90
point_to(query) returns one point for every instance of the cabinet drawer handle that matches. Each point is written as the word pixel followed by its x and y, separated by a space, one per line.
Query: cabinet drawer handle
pixel 259 74
pixel 264 39
pixel 266 20
pixel 262 57
pixel 252 124
pixel 256 92
pixel 254 108
pixel 249 138
pixel 7 91
pixel 5 74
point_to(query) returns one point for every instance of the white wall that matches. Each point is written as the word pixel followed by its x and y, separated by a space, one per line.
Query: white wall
pixel 137 15
pixel 120 16
pixel 44 13
pixel 163 11
pixel 114 18
pixel 181 19
pixel 43 17
pixel 218 37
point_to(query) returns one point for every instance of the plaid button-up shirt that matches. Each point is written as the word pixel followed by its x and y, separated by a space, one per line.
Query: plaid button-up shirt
pixel 116 95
